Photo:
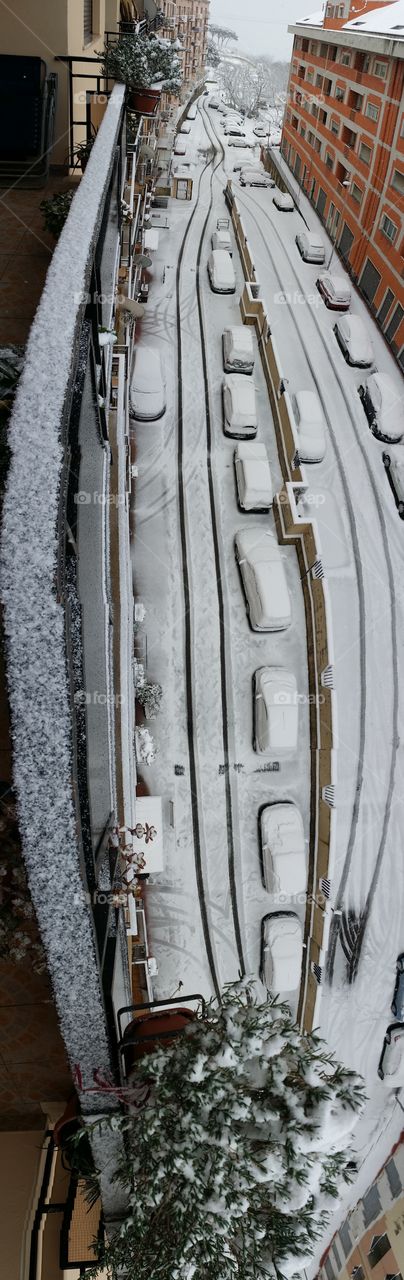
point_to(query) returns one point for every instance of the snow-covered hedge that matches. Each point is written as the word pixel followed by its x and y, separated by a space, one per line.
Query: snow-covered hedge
pixel 239 1151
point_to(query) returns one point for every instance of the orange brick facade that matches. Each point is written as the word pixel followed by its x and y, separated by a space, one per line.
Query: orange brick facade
pixel 343 138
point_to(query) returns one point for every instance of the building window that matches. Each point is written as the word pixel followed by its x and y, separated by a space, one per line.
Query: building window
pixel 88 21
pixel 345 1239
pixel 335 127
pixel 372 111
pixel 397 181
pixel 310 137
pixel 302 131
pixel 365 153
pixel 336 1254
pixel 346 60
pixel 394 323
pixel 339 93
pixel 323 50
pixel 329 160
pixel 380 1244
pixel 380 69
pixel 385 307
pixel 371 1202
pixel 356 193
pixel 310 75
pixel 393 1176
pixel 313 47
pixel 328 1268
pixel 388 228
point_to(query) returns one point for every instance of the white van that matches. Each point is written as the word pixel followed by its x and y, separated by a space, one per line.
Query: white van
pixel 253 476
pixel 238 350
pixel 221 272
pixel 264 580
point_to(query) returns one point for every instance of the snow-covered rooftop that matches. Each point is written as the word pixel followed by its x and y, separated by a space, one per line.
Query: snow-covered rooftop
pixel 388 20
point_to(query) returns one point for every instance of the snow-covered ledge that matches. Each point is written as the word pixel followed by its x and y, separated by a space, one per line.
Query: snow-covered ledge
pixel 35 623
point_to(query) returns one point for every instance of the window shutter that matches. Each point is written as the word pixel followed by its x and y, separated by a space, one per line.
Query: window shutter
pixel 88 20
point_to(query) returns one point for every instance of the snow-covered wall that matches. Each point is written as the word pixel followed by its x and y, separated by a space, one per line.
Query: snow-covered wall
pixel 35 621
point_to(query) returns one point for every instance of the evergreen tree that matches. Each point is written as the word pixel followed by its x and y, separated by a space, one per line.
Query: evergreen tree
pixel 240 1150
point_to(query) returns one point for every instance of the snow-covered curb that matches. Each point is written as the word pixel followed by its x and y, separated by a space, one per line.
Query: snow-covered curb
pixel 35 621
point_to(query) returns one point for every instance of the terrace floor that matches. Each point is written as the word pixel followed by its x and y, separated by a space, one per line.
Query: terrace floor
pixel 25 253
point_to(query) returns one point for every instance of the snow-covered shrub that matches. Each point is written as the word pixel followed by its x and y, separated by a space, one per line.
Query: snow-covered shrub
pixel 149 694
pixel 145 746
pixel 140 63
pixel 240 1150
pixel 55 211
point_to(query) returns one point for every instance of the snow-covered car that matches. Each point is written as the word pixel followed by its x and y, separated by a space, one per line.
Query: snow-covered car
pixel 354 341
pixel 310 426
pixel 240 142
pixel 233 131
pixel 147 387
pixel 397 1004
pixel 394 467
pixel 239 406
pixel 221 240
pixel 185 127
pixel 253 476
pixel 221 272
pixel 283 201
pixel 191 114
pixel 391 1063
pixel 276 712
pixel 215 104
pixel 238 349
pixel 310 246
pixel 255 178
pixel 275 138
pixel 264 579
pixel 281 951
pixel 383 405
pixel 335 291
pixel 179 146
pixel 260 131
pixel 283 849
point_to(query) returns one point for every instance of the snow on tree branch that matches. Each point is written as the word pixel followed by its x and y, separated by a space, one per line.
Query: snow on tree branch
pixel 240 1150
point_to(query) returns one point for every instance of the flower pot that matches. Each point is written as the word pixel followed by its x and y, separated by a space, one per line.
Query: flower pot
pixel 143 100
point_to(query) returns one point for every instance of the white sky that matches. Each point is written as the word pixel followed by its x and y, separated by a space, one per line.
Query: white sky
pixel 262 25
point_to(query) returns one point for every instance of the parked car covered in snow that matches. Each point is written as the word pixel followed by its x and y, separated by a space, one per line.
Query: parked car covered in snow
pixel 283 849
pixel 180 148
pixel 310 426
pixel 185 127
pixel 264 579
pixel 239 406
pixel 310 246
pixel 191 114
pixel 255 178
pixel 238 350
pixel 221 240
pixel 354 341
pixel 383 406
pixel 394 467
pixel 283 201
pixel 260 131
pixel 232 130
pixel 391 1062
pixel 281 951
pixel 147 386
pixel 276 713
pixel 253 476
pixel 240 142
pixel 335 291
pixel 221 272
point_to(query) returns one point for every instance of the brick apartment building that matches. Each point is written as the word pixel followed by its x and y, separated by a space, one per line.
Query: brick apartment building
pixel 343 138
pixel 369 1244
pixel 186 21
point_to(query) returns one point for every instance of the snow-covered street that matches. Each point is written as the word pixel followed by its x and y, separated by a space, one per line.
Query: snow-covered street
pixel 205 909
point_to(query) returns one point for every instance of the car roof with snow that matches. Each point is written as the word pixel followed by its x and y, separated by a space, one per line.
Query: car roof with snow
pixel 147 369
pixel 309 407
pixel 239 336
pixel 337 285
pixel 257 544
pixel 242 392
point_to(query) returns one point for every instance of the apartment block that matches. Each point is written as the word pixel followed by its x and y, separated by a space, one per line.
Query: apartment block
pixel 343 138
pixel 370 1243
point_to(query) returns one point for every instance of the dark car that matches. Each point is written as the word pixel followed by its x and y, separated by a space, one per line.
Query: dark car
pixel 397 1004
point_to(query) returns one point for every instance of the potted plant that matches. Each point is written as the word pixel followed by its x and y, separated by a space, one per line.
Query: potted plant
pixel 146 66
pixel 83 150
pixel 55 211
